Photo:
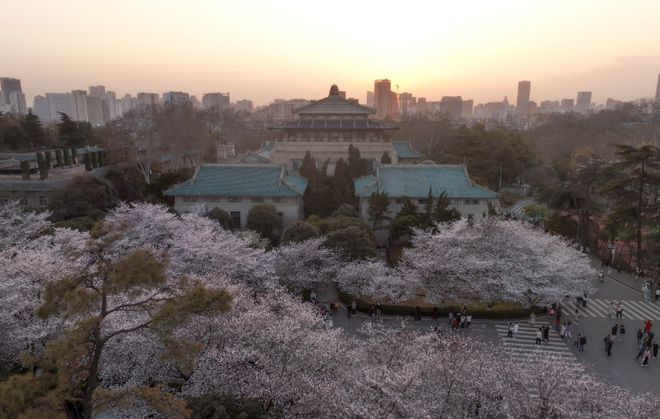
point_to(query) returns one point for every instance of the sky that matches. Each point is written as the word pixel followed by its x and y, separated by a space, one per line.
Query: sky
pixel 261 50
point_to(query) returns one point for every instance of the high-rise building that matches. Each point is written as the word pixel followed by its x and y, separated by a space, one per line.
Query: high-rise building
pixel 550 106
pixel 145 100
pixel 407 104
pixel 244 105
pixel 657 91
pixel 217 101
pixel 41 109
pixel 452 106
pixel 94 110
pixel 583 103
pixel 11 94
pixel 522 104
pixel 79 100
pixel 566 105
pixel 175 98
pixel 97 91
pixel 370 98
pixel 60 103
pixel 109 105
pixel 467 107
pixel 385 99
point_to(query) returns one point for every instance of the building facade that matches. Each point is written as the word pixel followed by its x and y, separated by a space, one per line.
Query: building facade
pixel 326 128
pixel 417 181
pixel 522 104
pixel 583 103
pixel 217 101
pixel 236 188
pixel 11 95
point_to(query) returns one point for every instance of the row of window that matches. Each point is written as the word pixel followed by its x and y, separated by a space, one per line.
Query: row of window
pixel 423 201
pixel 43 201
pixel 231 199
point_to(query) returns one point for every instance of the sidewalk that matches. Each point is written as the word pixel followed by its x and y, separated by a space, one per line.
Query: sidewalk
pixel 624 278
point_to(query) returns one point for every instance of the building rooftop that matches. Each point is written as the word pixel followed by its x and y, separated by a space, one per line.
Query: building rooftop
pixel 245 180
pixel 335 124
pixel 334 104
pixel 414 181
pixel 405 151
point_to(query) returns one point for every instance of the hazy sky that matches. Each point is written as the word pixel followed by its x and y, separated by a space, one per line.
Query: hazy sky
pixel 263 50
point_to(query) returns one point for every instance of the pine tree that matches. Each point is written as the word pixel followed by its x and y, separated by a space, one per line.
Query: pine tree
pixel 33 129
pixel 308 168
pixel 357 166
pixel 386 159
pixel 408 208
pixel 377 210
pixel 441 211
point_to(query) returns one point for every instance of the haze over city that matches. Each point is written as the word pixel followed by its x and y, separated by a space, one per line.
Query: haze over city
pixel 263 50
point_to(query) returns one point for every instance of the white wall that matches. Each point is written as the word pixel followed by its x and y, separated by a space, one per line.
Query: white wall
pixel 291 208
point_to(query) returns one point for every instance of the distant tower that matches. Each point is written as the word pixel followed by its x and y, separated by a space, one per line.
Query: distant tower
pixel 522 104
pixel 657 91
pixel 583 102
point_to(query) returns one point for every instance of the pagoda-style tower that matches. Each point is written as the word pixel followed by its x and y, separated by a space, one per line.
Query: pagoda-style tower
pixel 326 128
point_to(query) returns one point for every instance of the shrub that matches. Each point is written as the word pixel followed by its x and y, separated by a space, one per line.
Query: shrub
pixel 221 217
pixel 263 219
pixel 355 242
pixel 347 210
pixel 299 231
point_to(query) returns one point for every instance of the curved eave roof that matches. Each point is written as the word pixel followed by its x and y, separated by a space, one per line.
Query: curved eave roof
pixel 334 105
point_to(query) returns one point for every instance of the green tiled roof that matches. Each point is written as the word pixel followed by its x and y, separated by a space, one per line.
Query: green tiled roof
pixel 405 151
pixel 414 181
pixel 240 180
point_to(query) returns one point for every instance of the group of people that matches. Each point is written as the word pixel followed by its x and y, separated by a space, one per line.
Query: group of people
pixel 543 335
pixel 647 345
pixel 460 320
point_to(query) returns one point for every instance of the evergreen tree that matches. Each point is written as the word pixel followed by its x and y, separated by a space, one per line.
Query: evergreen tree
pixel 427 217
pixel 308 168
pixel 408 208
pixel 441 211
pixel 33 129
pixel 377 210
pixel 357 166
pixel 386 159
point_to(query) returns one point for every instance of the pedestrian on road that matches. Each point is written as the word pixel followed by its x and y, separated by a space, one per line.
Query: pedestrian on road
pixel 539 333
pixel 468 320
pixel 509 332
pixel 532 319
pixel 546 334
pixel 451 317
pixel 584 300
pixel 563 330
pixel 583 341
pixel 515 329
pixel 463 320
pixel 615 329
pixel 655 349
pixel 354 308
pixel 647 326
pixel 609 342
pixel 640 335
pixel 619 311
pixel 646 357
pixel 379 311
pixel 640 351
pixel 657 295
pixel 576 342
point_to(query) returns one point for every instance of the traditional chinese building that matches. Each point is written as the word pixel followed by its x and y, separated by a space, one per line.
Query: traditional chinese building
pixel 327 127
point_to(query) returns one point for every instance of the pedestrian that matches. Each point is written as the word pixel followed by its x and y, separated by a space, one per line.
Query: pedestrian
pixel 640 335
pixel 463 319
pixel 615 329
pixel 619 311
pixel 372 311
pixel 576 315
pixel 379 311
pixel 451 317
pixel 576 342
pixel 640 351
pixel 584 300
pixel 646 357
pixel 509 332
pixel 454 324
pixel 657 295
pixel 532 319
pixel 546 333
pixel 647 326
pixel 558 324
pixel 655 349
pixel 312 297
pixel 563 330
pixel 468 320
pixel 515 329
pixel 583 341
pixel 609 342
pixel 622 330
pixel 354 308
pixel 539 333
pixel 569 330
pixel 329 322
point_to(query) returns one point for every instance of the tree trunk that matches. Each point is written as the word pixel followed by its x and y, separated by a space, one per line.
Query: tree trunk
pixel 92 381
pixel 640 204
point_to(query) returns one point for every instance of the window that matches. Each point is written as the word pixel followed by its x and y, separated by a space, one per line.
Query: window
pixel 279 200
pixel 471 202
pixel 189 199
pixel 236 219
pixel 43 202
pixel 234 199
pixel 256 199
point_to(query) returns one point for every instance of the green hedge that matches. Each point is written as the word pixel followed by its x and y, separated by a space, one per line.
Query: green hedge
pixel 480 313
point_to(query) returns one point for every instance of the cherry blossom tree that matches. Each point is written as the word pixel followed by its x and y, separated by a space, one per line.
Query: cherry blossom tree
pixel 493 260
pixel 18 225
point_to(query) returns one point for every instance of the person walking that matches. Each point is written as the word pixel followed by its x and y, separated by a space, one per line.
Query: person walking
pixel 515 329
pixel 655 349
pixel 569 330
pixel 619 311
pixel 576 342
pixel 354 308
pixel 532 319
pixel 609 342
pixel 468 320
pixel 563 330
pixel 509 332
pixel 657 294
pixel 546 333
pixel 640 351
pixel 647 326
pixel 640 335
pixel 583 341
pixel 646 357
pixel 539 333
pixel 584 300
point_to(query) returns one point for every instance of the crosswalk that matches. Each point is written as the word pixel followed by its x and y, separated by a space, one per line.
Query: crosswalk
pixel 523 345
pixel 599 308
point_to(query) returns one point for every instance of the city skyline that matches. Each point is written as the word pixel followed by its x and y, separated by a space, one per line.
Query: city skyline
pixel 263 51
